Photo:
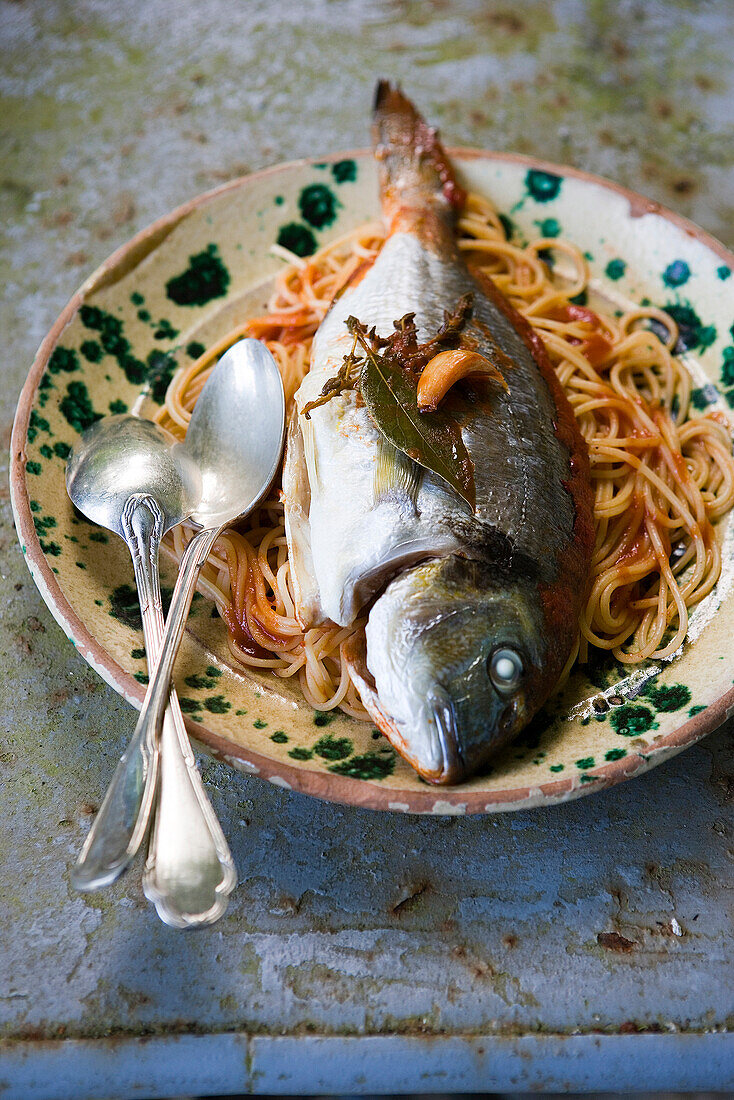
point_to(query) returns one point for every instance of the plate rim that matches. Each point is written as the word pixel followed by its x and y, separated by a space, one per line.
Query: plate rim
pixel 341 789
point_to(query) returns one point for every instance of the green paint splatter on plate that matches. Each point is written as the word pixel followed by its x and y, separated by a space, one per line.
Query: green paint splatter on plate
pixel 199 682
pixel 549 227
pixel 188 706
pixel 124 606
pixel 36 424
pixel 165 331
pixel 508 225
pixel 77 407
pixel 333 748
pixel 217 704
pixel 297 238
pixel 369 765
pixel 703 396
pixel 114 341
pixel 63 359
pixel 92 351
pixel 667 697
pixel 543 186
pixel 692 333
pixel 318 205
pixel 161 369
pixel 727 367
pixel 344 171
pixel 615 269
pixel 204 279
pixel 676 274
pixel 632 720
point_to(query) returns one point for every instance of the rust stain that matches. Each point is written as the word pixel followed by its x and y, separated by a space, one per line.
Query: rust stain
pixel 59 220
pixel 684 186
pixel 124 209
pixel 476 967
pixel 614 942
pixel 76 259
pixel 506 20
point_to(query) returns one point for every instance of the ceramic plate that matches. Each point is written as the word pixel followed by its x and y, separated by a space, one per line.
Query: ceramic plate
pixel 181 284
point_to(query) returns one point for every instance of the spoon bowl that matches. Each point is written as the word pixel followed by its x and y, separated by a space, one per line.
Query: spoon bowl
pixel 121 456
pixel 235 437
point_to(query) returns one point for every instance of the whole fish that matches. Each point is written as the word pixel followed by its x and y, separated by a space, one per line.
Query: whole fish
pixel 472 613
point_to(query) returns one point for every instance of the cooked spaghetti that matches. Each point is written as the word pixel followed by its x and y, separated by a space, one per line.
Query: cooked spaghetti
pixel 660 477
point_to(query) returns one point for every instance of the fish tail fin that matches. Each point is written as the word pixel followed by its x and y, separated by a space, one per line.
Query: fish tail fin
pixel 416 176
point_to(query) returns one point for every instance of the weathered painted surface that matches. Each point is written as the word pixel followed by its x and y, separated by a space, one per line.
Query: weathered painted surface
pixel 179 1066
pixel 608 915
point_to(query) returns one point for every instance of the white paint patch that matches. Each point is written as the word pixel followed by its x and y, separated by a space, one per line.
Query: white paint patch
pixel 278 781
pixel 402 807
pixel 242 765
pixel 449 808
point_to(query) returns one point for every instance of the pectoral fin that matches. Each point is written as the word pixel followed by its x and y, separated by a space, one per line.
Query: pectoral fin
pixel 395 473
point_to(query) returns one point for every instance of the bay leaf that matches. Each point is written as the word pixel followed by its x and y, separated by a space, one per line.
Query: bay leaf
pixel 433 440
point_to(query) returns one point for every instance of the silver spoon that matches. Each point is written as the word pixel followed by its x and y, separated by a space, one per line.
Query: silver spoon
pixel 125 475
pixel 235 437
pixel 189 873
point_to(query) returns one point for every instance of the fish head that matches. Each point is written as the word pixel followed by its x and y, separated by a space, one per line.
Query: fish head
pixel 460 662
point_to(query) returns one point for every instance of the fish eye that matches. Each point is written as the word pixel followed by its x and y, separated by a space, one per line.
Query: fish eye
pixel 505 669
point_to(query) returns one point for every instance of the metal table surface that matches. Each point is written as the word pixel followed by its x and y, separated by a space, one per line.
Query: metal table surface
pixel 581 947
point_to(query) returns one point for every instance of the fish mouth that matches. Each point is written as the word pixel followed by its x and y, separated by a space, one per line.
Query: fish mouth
pixel 441 707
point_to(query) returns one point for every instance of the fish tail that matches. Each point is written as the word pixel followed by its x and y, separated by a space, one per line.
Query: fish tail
pixel 416 177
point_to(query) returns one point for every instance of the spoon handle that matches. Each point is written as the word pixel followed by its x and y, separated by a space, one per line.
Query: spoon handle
pixel 189 873
pixel 120 824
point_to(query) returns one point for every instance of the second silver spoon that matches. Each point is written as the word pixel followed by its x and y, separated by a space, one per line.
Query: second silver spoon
pixel 236 440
